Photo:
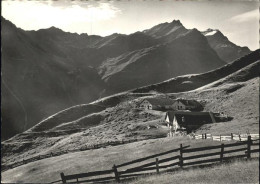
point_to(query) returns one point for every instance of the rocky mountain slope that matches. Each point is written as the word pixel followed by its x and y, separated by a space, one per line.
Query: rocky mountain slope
pixel 48 70
pixel 160 62
pixel 226 50
pixel 37 82
pixel 234 91
pixel 167 31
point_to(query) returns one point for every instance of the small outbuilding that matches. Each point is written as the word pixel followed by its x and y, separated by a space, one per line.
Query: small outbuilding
pixel 183 104
pixel 157 104
pixel 188 121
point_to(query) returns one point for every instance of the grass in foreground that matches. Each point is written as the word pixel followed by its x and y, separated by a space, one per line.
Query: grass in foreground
pixel 238 171
pixel 49 169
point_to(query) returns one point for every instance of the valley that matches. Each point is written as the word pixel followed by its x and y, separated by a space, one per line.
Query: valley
pixel 77 103
pixel 116 118
pixel 59 69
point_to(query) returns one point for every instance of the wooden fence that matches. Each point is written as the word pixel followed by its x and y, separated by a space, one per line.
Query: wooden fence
pixel 235 137
pixel 184 156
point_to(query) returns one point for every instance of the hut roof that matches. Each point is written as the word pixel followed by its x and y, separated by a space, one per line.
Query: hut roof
pixel 189 102
pixel 190 118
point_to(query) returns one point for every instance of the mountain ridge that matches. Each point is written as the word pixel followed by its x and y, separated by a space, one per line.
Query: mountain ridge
pixel 69 68
pixel 244 69
pixel 227 50
pixel 207 77
pixel 116 118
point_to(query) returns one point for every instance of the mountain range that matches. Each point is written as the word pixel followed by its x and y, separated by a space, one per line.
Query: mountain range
pixel 48 70
pixel 232 89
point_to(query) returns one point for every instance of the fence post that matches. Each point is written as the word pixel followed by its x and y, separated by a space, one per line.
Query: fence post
pixel 220 138
pixel 247 132
pixel 202 136
pixel 63 179
pixel 222 152
pixel 239 137
pixel 249 146
pixel 231 136
pixel 205 136
pixel 180 158
pixel 157 165
pixel 116 173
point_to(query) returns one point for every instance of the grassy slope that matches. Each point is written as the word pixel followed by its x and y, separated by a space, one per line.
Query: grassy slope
pixel 115 119
pixel 66 115
pixel 191 82
pixel 123 122
pixel 235 98
pixel 114 124
pixel 48 170
pixel 244 118
pixel 236 172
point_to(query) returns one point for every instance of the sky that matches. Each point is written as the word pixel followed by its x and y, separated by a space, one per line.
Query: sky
pixel 238 20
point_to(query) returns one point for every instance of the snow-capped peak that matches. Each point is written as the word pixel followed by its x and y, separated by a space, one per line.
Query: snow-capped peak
pixel 211 33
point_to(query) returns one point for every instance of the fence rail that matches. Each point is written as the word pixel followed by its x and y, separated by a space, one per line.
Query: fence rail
pixel 201 149
pixel 232 136
pixel 184 158
pixel 149 157
pixel 236 137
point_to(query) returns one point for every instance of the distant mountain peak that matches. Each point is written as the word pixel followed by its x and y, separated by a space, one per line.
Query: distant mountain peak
pixel 227 50
pixel 116 34
pixel 52 29
pixel 210 32
pixel 85 34
pixel 176 22
pixel 193 32
pixel 192 36
pixel 213 32
pixel 171 30
pixel 55 28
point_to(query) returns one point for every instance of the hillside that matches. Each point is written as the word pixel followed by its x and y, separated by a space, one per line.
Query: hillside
pixel 48 170
pixel 190 82
pixel 37 83
pixel 76 162
pixel 49 70
pixel 116 119
pixel 226 173
pixel 226 50
pixel 158 63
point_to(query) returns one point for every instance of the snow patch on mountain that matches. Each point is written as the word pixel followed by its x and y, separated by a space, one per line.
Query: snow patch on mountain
pixel 211 33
